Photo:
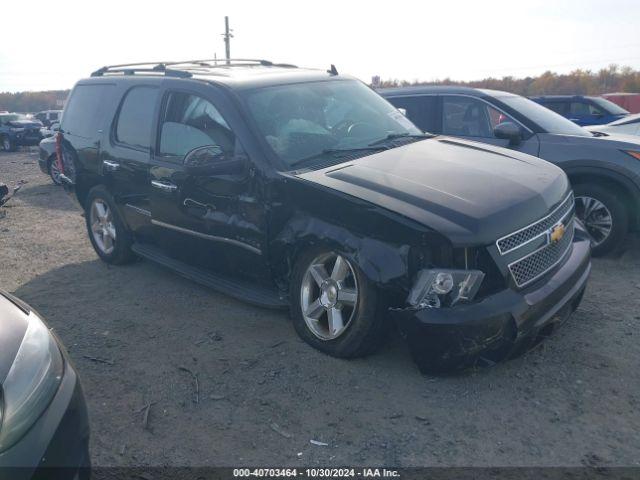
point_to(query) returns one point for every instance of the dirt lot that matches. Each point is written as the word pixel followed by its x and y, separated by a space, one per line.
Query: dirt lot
pixel 263 394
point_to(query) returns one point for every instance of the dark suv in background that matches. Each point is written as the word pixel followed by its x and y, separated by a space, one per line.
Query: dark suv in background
pixel 305 189
pixel 604 170
pixel 583 110
pixel 18 130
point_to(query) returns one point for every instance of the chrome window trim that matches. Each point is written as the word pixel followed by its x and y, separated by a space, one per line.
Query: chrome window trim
pixel 570 195
pixel 551 267
pixel 214 238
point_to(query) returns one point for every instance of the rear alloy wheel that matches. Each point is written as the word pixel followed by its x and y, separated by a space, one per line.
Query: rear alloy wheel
pixel 102 227
pixel 604 217
pixel 334 307
pixel 54 171
pixel 107 232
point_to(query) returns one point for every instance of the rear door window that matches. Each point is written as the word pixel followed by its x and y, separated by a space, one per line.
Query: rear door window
pixel 85 109
pixel 135 119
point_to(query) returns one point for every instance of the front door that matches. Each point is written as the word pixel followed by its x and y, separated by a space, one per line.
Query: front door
pixel 475 119
pixel 214 221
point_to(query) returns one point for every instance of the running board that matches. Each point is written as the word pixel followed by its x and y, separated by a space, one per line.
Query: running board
pixel 247 292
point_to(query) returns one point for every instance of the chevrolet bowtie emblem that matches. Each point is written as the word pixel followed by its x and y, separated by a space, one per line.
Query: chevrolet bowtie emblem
pixel 556 233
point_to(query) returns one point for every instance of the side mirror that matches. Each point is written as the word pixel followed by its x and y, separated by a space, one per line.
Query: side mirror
pixel 210 160
pixel 508 131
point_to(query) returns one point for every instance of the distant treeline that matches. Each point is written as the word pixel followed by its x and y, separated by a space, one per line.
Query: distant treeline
pixel 32 101
pixel 581 82
pixel 584 82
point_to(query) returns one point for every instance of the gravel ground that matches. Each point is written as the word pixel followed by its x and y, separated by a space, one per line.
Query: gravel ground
pixel 263 394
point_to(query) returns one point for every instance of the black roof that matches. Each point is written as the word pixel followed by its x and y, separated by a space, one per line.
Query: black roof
pixel 239 73
pixel 441 89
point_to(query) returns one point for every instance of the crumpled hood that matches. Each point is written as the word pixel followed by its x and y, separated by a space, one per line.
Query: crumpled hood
pixel 472 193
pixel 13 325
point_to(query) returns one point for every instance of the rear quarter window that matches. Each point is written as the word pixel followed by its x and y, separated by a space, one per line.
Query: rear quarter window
pixel 85 109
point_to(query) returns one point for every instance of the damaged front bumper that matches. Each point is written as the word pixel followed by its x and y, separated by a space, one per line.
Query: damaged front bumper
pixel 500 325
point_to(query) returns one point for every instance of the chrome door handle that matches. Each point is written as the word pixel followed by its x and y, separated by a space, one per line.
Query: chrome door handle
pixel 164 186
pixel 109 165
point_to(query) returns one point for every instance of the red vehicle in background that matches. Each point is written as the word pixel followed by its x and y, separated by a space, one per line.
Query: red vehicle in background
pixel 628 101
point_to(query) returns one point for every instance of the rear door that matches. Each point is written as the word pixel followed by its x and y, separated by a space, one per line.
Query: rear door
pixel 211 221
pixel 474 119
pixel 125 163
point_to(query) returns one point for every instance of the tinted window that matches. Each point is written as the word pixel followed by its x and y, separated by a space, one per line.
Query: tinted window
pixel 190 122
pixel 53 116
pixel 85 109
pixel 135 120
pixel 579 108
pixel 421 110
pixel 558 107
pixel 470 117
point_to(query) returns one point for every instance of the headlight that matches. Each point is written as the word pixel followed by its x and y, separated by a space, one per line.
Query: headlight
pixel 444 288
pixel 31 382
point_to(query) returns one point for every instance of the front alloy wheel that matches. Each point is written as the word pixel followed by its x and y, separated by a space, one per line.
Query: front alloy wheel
pixel 6 144
pixel 335 307
pixel 604 216
pixel 102 227
pixel 328 300
pixel 596 217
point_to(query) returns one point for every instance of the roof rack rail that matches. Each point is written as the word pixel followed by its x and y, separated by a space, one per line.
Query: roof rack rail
pixel 184 68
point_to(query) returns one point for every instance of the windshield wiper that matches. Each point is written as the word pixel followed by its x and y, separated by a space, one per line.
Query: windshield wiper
pixel 395 136
pixel 337 153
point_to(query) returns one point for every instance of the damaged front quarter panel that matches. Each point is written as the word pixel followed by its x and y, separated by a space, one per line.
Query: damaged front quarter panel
pixel 387 247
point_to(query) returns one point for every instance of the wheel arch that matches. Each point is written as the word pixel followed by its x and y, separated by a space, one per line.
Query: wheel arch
pixel 384 264
pixel 628 192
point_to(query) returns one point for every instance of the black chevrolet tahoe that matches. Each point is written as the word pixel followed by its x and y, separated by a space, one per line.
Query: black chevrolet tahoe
pixel 305 189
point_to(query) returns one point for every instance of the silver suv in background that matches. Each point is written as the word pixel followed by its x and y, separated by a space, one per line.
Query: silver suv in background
pixel 604 170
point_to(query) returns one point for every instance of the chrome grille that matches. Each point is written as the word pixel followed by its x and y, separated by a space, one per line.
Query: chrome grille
pixel 517 239
pixel 533 266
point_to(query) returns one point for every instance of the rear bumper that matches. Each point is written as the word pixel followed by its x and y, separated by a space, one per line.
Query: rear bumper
pixel 500 325
pixel 57 445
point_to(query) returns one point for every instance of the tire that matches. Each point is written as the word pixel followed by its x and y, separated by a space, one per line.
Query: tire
pixel 7 144
pixel 364 324
pixel 111 240
pixel 54 173
pixel 603 204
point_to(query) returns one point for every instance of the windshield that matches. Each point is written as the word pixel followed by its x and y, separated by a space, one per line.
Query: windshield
pixel 609 106
pixel 302 121
pixel 548 120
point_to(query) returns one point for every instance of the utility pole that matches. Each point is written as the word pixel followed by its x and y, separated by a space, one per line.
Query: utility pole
pixel 227 39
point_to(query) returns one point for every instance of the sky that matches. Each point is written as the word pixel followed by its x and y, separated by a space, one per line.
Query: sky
pixel 54 44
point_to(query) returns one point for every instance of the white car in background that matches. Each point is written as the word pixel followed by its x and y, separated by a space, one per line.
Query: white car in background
pixel 629 125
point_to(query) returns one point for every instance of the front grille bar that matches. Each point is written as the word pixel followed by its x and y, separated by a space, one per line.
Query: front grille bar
pixel 527 234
